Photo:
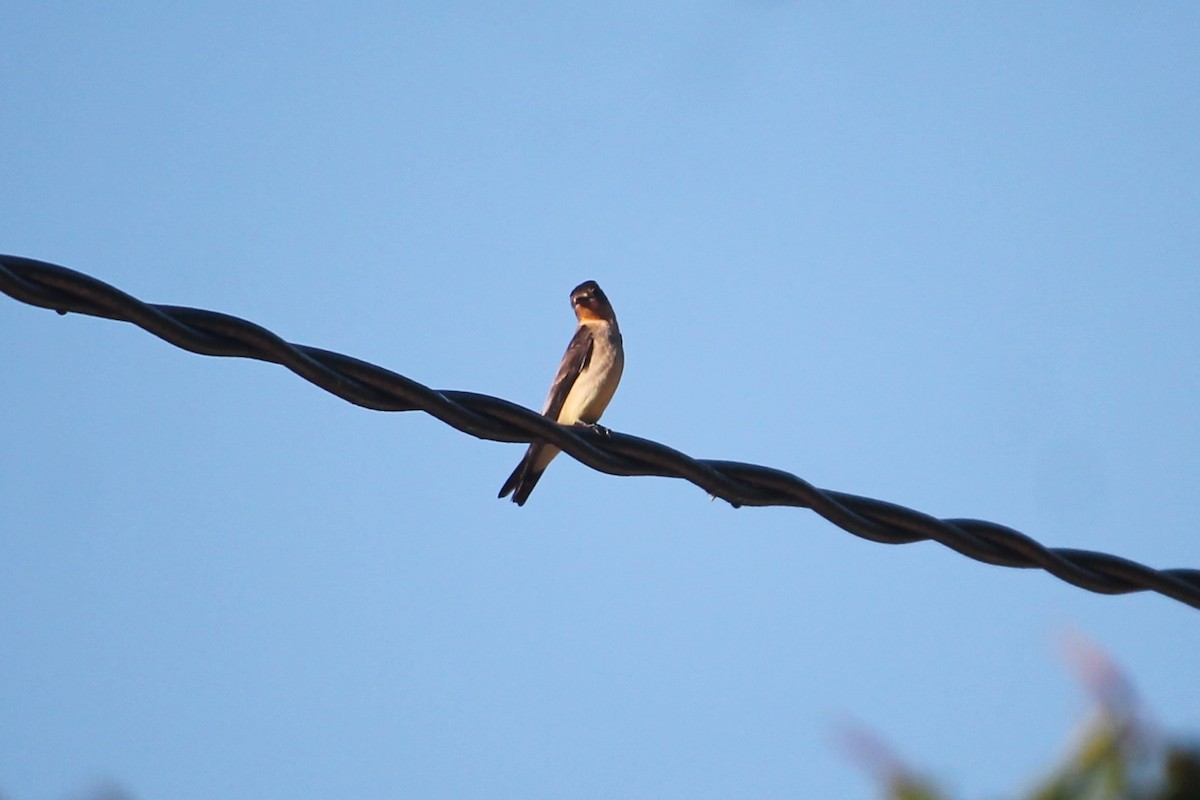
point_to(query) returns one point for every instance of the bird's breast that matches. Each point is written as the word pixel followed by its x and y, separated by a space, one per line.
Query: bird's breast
pixel 594 388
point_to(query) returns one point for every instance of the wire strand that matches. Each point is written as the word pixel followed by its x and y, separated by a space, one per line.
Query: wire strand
pixel 483 416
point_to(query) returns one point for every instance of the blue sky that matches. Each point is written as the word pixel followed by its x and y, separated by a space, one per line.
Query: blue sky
pixel 944 256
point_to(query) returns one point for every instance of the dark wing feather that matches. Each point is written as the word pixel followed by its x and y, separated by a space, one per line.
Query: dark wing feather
pixel 575 361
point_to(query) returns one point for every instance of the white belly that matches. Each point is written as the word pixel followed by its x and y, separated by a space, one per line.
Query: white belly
pixel 594 388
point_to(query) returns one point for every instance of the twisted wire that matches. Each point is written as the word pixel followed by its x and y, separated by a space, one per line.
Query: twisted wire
pixel 214 334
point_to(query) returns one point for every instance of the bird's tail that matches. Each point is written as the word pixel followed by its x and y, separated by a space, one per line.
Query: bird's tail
pixel 527 474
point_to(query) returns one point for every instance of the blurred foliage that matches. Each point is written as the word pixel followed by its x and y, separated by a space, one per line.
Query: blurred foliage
pixel 1120 755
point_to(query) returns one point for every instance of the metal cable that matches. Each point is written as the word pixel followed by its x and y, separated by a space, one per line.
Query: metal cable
pixel 370 386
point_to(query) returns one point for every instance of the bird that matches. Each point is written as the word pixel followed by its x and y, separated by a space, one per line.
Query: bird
pixel 587 378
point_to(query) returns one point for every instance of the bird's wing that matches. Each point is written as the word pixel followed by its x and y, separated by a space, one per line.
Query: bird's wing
pixel 574 361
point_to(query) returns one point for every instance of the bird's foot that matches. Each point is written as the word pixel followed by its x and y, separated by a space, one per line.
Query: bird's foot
pixel 600 429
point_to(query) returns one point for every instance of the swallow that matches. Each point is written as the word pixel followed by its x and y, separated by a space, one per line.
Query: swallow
pixel 586 381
